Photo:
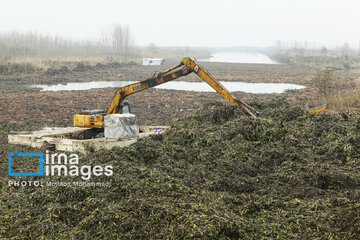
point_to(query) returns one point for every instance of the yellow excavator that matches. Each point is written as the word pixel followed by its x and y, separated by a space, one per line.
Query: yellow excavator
pixel 95 118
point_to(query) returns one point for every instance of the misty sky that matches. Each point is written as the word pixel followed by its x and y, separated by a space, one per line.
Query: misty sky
pixel 191 23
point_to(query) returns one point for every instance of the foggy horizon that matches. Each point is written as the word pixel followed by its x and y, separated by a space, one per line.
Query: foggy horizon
pixel 197 24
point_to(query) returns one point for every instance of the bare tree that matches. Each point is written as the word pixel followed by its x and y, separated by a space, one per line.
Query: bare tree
pixel 116 42
pixel 122 42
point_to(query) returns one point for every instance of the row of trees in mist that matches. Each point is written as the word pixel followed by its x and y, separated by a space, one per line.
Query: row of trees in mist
pixel 117 42
pixel 313 46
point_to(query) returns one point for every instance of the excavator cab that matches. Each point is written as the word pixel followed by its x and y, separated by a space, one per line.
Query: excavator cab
pixel 126 107
pixel 95 118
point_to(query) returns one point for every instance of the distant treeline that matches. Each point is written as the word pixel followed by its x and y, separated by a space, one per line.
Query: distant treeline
pixel 116 42
pixel 345 58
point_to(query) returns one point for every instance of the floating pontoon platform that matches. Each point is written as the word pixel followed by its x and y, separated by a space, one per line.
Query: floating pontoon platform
pixel 76 139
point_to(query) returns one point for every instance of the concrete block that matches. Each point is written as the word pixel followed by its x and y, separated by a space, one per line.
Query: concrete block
pixel 121 126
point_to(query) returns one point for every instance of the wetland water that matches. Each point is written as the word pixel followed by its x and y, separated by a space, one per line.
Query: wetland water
pixel 179 85
pixel 228 57
pixel 239 57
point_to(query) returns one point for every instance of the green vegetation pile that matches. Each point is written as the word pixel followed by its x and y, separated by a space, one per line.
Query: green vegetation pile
pixel 215 174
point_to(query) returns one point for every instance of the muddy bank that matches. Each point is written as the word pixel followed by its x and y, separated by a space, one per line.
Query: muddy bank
pixel 57 108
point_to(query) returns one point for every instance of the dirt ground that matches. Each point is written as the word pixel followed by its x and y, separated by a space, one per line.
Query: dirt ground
pixel 58 108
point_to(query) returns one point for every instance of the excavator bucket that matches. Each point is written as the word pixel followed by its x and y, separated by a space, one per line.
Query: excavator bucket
pixel 246 109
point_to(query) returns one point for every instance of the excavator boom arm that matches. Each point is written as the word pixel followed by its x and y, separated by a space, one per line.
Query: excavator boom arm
pixel 192 64
pixel 186 66
pixel 128 90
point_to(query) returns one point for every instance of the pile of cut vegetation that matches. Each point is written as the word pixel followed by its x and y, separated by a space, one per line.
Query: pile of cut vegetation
pixel 217 173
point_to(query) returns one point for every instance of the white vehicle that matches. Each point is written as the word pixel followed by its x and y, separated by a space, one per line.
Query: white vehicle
pixel 153 61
